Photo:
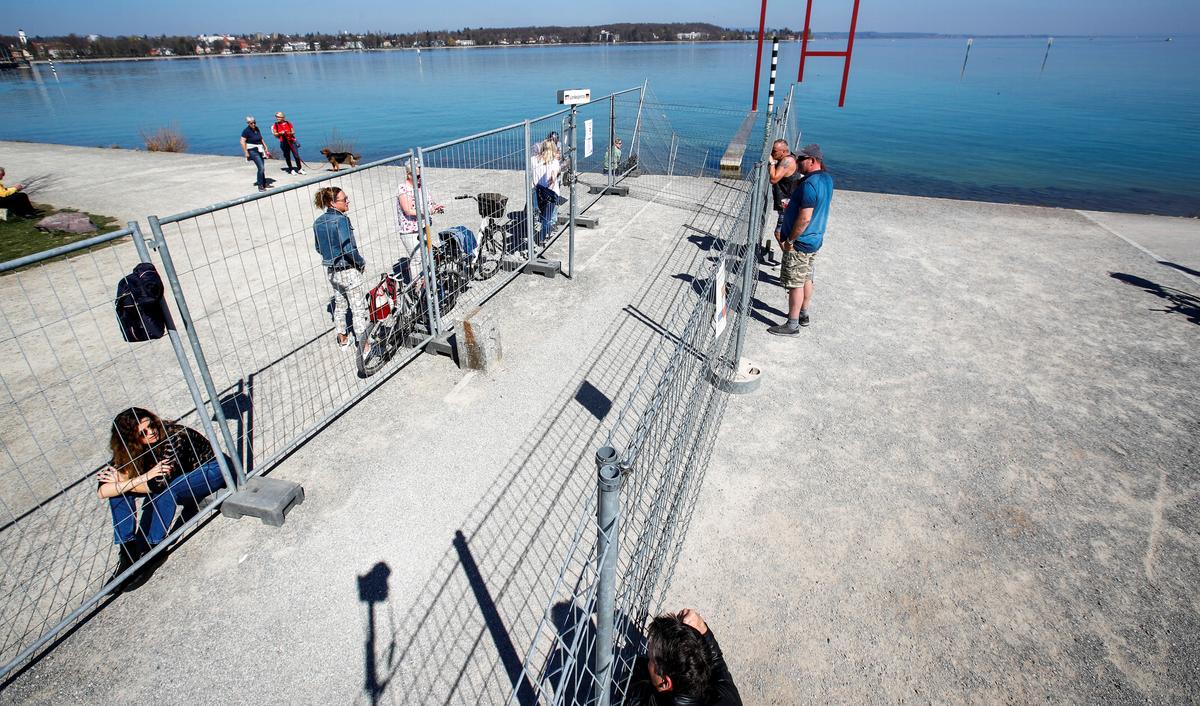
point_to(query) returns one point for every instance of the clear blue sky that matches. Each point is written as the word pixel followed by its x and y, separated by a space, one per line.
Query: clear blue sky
pixel 1060 17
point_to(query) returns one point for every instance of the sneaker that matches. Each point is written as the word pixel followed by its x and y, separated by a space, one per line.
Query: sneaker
pixel 804 319
pixel 344 341
pixel 262 188
pixel 783 330
pixel 300 172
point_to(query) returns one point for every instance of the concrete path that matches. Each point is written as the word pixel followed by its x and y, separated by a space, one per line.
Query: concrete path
pixel 973 478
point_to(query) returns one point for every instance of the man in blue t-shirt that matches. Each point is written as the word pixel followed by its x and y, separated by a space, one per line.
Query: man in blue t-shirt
pixel 801 235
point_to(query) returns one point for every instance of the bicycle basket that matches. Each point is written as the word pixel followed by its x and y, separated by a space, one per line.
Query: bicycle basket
pixel 492 205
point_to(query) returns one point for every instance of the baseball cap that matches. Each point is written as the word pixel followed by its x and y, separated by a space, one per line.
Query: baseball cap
pixel 813 150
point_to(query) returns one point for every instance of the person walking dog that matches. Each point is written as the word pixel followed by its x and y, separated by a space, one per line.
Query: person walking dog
pixel 286 134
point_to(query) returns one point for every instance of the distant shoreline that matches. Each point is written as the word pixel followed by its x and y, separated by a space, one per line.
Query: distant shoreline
pixel 821 37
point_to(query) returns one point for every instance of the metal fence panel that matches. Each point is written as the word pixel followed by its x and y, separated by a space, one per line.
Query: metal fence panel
pixel 262 309
pixel 67 372
pixel 665 432
pixel 478 183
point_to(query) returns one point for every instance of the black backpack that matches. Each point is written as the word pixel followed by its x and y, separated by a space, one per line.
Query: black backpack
pixel 139 304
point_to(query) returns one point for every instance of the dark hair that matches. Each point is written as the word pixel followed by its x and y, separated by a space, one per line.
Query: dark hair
pixel 678 651
pixel 326 196
pixel 128 451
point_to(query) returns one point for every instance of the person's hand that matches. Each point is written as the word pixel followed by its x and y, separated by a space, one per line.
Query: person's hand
pixel 692 618
pixel 19 187
pixel 108 475
pixel 785 245
pixel 161 468
pixel 439 208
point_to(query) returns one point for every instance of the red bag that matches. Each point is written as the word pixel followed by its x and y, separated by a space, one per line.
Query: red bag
pixel 380 298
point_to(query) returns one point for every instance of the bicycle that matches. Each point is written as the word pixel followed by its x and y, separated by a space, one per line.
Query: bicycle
pixel 492 234
pixel 396 309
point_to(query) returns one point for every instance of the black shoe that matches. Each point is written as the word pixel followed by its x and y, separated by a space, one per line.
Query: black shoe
pixel 127 554
pixel 804 319
pixel 783 330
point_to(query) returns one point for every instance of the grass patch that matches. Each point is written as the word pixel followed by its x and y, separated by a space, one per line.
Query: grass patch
pixel 19 237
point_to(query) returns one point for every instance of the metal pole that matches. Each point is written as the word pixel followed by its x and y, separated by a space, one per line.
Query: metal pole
pixel 164 253
pixel 753 237
pixel 530 195
pixel 774 67
pixel 804 41
pixel 762 26
pixel 574 202
pixel 637 122
pixel 849 53
pixel 608 515
pixel 428 266
pixel 612 136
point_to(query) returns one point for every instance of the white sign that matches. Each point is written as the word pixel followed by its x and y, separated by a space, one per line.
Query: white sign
pixel 587 139
pixel 721 310
pixel 574 96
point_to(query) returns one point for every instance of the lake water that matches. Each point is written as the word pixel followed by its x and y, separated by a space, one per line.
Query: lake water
pixel 1110 124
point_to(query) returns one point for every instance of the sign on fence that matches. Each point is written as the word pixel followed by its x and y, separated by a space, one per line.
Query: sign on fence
pixel 587 139
pixel 721 310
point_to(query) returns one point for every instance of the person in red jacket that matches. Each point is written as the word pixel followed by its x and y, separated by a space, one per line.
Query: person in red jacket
pixel 286 134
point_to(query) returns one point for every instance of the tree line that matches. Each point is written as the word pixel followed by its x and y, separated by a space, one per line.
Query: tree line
pixel 98 46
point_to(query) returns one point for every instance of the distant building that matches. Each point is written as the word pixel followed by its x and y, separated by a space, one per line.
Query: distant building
pixel 353 44
pixel 210 38
pixel 691 36
pixel 465 42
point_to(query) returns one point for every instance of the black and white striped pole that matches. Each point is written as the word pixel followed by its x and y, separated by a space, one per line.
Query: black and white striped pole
pixel 774 66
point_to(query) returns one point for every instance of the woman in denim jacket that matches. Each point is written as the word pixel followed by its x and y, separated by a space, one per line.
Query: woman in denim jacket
pixel 333 237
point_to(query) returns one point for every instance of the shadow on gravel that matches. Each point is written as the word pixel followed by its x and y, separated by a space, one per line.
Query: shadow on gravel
pixel 466 636
pixel 1179 301
pixel 1179 267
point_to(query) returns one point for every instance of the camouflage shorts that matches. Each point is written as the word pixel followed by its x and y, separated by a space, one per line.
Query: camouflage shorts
pixel 797 268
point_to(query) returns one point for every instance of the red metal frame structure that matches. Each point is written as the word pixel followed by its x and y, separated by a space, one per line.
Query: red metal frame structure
pixel 805 53
pixel 762 25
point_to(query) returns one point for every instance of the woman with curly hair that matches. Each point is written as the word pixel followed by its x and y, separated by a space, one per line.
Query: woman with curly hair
pixel 162 464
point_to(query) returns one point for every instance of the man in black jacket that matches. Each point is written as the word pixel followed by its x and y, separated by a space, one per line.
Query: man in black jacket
pixel 683 665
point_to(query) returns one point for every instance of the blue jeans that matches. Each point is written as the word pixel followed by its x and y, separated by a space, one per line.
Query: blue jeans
pixel 158 509
pixel 547 202
pixel 257 158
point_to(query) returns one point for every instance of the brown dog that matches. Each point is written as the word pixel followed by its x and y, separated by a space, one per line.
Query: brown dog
pixel 337 159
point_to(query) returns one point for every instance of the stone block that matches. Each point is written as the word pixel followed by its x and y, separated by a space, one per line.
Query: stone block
pixel 478 341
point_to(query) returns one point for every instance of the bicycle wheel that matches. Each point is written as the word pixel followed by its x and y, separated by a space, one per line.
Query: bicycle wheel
pixel 381 335
pixel 450 284
pixel 489 255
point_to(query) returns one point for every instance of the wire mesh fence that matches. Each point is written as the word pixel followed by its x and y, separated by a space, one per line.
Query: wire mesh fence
pixel 69 375
pixel 477 185
pixel 268 310
pixel 261 308
pixel 660 446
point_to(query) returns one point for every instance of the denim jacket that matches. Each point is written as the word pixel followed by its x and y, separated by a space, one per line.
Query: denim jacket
pixel 333 237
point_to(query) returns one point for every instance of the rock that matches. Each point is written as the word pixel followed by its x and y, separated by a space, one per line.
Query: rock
pixel 478 341
pixel 67 221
